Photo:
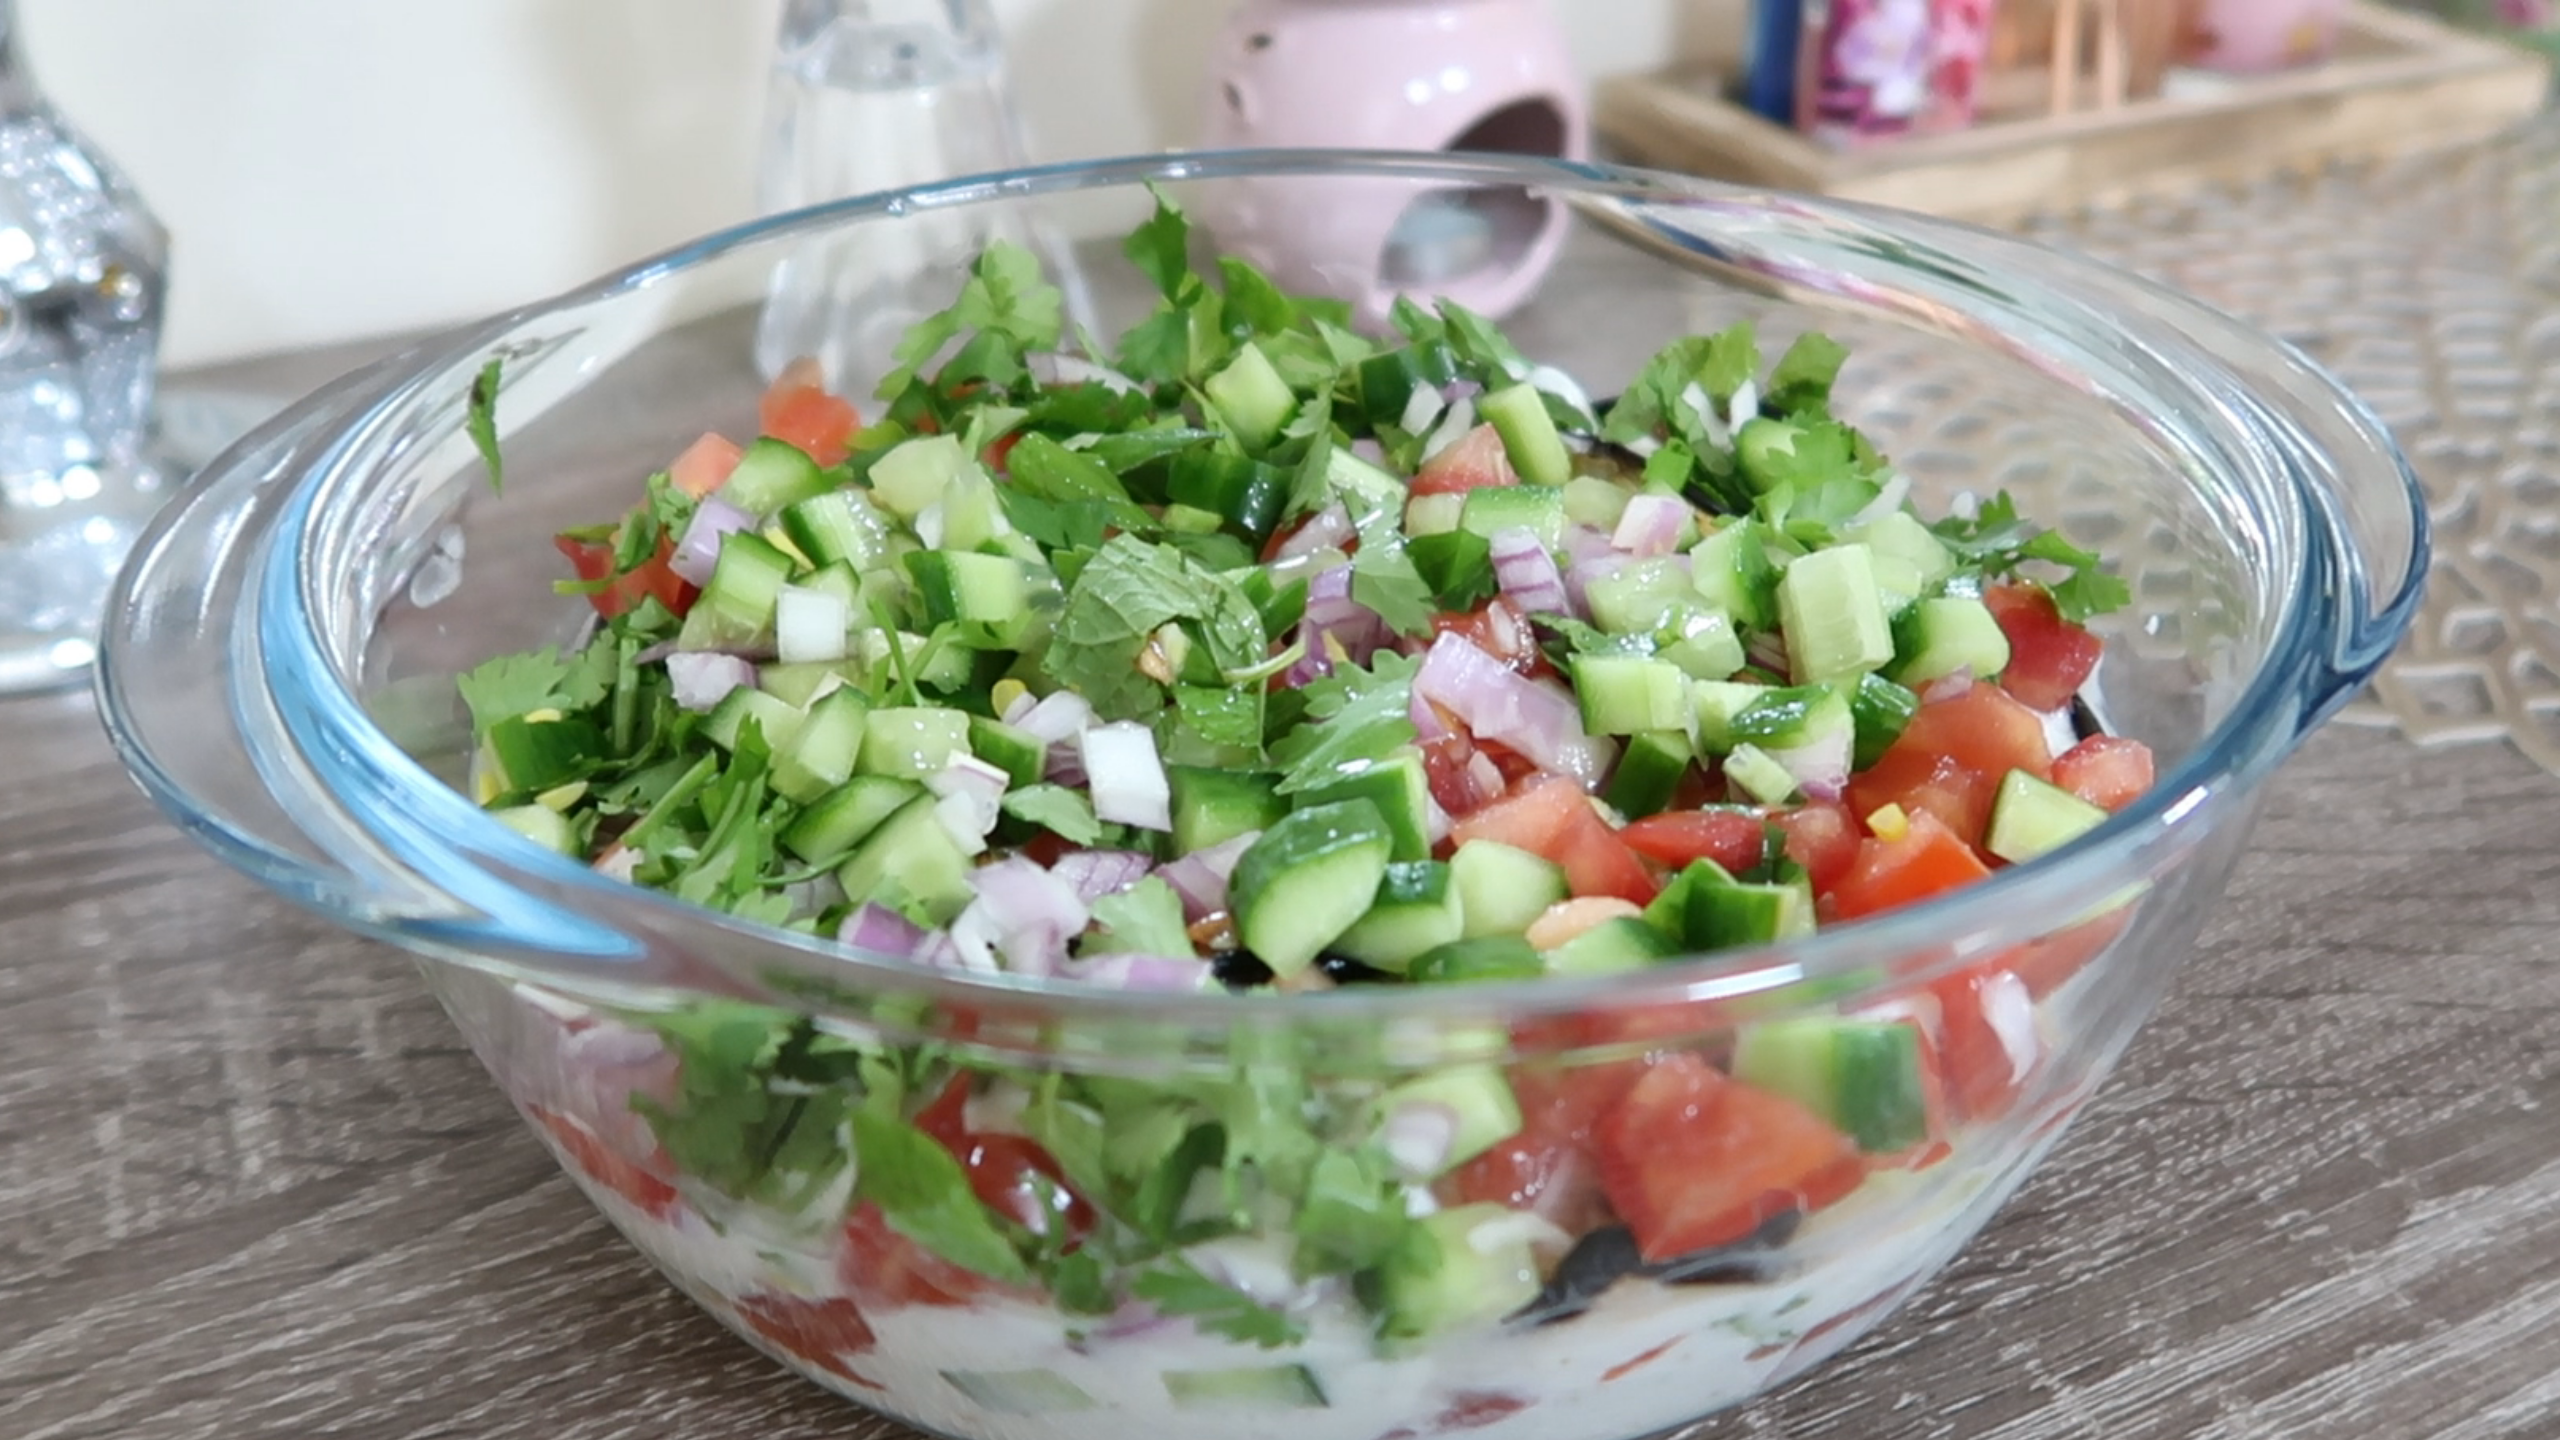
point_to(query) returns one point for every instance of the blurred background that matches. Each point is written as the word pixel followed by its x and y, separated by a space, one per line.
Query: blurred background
pixel 332 170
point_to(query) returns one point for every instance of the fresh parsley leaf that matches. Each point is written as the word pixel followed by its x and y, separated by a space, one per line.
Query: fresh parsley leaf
pixel 1161 248
pixel 1457 565
pixel 1415 323
pixel 1354 1214
pixel 1005 298
pixel 1353 715
pixel 925 1196
pixel 1730 360
pixel 1571 637
pixel 726 1125
pixel 1645 409
pixel 480 420
pixel 513 685
pixel 1384 579
pixel 1067 813
pixel 1157 350
pixel 1481 347
pixel 1997 542
pixel 1801 385
pixel 1145 919
pixel 1255 306
pixel 2089 592
pixel 1175 1287
pixel 1053 472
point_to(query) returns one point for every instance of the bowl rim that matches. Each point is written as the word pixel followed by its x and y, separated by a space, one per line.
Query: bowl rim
pixel 2298 681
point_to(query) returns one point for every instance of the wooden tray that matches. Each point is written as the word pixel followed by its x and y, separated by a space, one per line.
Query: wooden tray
pixel 2399 84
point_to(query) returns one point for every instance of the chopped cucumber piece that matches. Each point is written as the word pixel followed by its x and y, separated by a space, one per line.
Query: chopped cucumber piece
pixel 1400 786
pixel 1600 504
pixel 1759 774
pixel 1702 642
pixel 1484 957
pixel 1416 910
pixel 1704 908
pixel 1641 598
pixel 972 515
pixel 1477 1097
pixel 1714 707
pixel 1880 709
pixel 1627 695
pixel 828 830
pixel 819 756
pixel 839 525
pixel 1833 616
pixel 1211 807
pixel 1519 416
pixel 1502 890
pixel 1649 772
pixel 1610 947
pixel 1732 570
pixel 987 595
pixel 1899 535
pixel 911 863
pixel 1307 879
pixel 746 582
pixel 911 742
pixel 915 474
pixel 1434 514
pixel 771 475
pixel 777 721
pixel 1258 1387
pixel 1866 1077
pixel 1235 492
pixel 543 826
pixel 1466 1266
pixel 1019 1392
pixel 1538 509
pixel 1386 382
pixel 533 755
pixel 1252 397
pixel 1949 635
pixel 1019 754
pixel 2032 817
pixel 1791 717
pixel 948 668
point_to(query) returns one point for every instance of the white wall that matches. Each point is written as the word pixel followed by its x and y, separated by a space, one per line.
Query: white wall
pixel 340 168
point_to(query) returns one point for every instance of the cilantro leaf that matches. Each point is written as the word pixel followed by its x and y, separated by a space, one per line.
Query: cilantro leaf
pixel 1801 385
pixel 1145 919
pixel 925 1196
pixel 1006 302
pixel 1997 542
pixel 1353 715
pixel 728 1124
pixel 2090 592
pixel 513 685
pixel 1067 813
pixel 1645 409
pixel 480 420
pixel 1175 1287
pixel 1384 579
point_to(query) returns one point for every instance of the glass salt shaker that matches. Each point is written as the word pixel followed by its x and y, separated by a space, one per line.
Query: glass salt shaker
pixel 81 290
pixel 869 95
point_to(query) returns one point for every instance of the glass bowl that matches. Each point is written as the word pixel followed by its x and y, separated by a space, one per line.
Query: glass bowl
pixel 279 675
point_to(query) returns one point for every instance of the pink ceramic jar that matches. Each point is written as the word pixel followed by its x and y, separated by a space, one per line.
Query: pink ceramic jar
pixel 2256 35
pixel 1396 75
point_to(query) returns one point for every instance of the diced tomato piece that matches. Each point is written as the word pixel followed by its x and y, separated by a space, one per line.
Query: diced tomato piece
pixel 1549 1167
pixel 888 1269
pixel 2050 658
pixel 1692 1160
pixel 1000 450
pixel 2047 964
pixel 1823 838
pixel 1734 839
pixel 799 410
pixel 1552 817
pixel 1476 461
pixel 1987 1039
pixel 1927 859
pixel 1499 631
pixel 649 1193
pixel 946 1116
pixel 1011 1174
pixel 654 577
pixel 705 464
pixel 2108 771
pixel 1951 758
pixel 818 1332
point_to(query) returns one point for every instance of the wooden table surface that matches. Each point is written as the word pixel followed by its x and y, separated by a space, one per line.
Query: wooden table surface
pixel 252 1185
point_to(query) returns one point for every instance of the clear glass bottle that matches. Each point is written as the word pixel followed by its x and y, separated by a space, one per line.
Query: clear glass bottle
pixel 81 288
pixel 869 95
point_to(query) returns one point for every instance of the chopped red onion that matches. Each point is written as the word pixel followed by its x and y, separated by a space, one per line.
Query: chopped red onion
pixel 1579 579
pixel 698 553
pixel 958 817
pixel 1453 427
pixel 1897 489
pixel 1651 525
pixel 1428 723
pixel 979 785
pixel 810 625
pixel 1328 528
pixel 1140 972
pixel 1023 704
pixel 1946 688
pixel 1060 716
pixel 1417 1137
pixel 1746 406
pixel 1461 388
pixel 1032 914
pixel 1436 823
pixel 1200 877
pixel 1768 650
pixel 1589 542
pixel 938 950
pixel 1539 721
pixel 879 930
pixel 1096 873
pixel 1128 780
pixel 1821 768
pixel 1562 386
pixel 704 679
pixel 1058 368
pixel 1704 406
pixel 1527 573
pixel 1420 408
pixel 1484 779
pixel 1367 448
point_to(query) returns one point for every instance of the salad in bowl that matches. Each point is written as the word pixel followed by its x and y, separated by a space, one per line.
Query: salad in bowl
pixel 1264 872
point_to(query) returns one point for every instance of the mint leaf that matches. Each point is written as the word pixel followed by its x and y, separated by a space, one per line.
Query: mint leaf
pixel 1225 719
pixel 1067 813
pixel 1175 1287
pixel 1145 919
pixel 480 421
pixel 1384 579
pixel 1120 598
pixel 925 1196
pixel 1352 715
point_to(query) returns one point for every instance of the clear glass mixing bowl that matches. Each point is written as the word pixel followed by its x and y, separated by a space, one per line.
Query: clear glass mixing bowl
pixel 279 674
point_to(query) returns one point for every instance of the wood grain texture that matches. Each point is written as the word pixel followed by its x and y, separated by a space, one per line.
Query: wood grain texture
pixel 251 1185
